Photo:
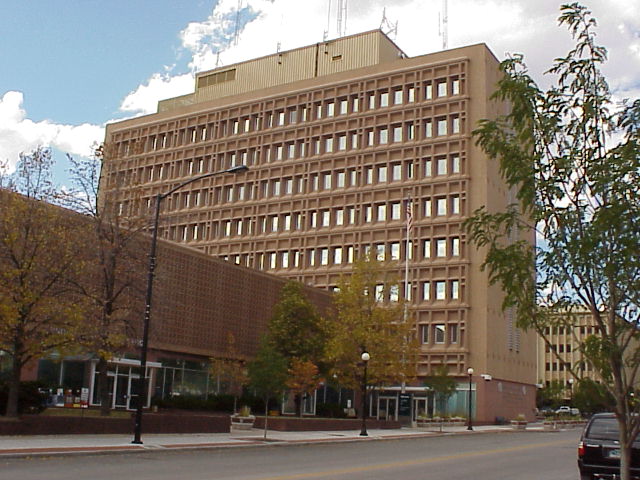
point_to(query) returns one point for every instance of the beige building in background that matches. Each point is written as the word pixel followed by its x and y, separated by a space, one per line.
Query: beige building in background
pixel 556 359
pixel 340 137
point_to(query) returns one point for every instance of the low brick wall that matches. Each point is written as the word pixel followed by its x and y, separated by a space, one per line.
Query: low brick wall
pixel 151 423
pixel 296 424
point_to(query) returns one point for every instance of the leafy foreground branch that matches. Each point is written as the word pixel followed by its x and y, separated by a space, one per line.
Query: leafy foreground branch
pixel 573 157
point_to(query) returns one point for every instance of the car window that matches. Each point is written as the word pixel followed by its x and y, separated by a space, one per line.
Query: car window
pixel 604 429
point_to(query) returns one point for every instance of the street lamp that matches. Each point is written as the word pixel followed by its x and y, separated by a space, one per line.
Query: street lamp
pixel 470 373
pixel 142 398
pixel 365 359
pixel 571 380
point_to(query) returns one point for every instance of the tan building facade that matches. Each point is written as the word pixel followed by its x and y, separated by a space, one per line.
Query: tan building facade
pixel 340 138
pixel 562 354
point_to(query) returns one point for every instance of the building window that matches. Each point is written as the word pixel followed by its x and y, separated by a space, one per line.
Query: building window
pixel 441 206
pixel 397 133
pixel 428 91
pixel 395 250
pixel 344 106
pixel 426 208
pixel 455 164
pixel 368 210
pixel 426 290
pixel 368 175
pixel 441 166
pixel 342 142
pixel 326 183
pixel 442 88
pixel 328 144
pixel 384 99
pixel 382 212
pixel 382 174
pixel 441 293
pixel 455 289
pixel 337 255
pixel 383 136
pixel 424 334
pixel 428 129
pixel 427 168
pixel 455 124
pixel 339 216
pixel 272 260
pixel 441 247
pixel 397 97
pixel 350 252
pixel 426 248
pixel 441 125
pixel 411 131
pixel 340 178
pixel 324 256
pixel 411 95
pixel 380 252
pixel 285 259
pixel 325 219
pixel 455 86
pixel 455 205
pixel 313 220
pixel 331 109
pixel 453 334
pixel 455 247
pixel 439 333
pixel 371 100
pixel 395 211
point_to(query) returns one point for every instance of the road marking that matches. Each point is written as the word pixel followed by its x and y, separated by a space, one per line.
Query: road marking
pixel 407 463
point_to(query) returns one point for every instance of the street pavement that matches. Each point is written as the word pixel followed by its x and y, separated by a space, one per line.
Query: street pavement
pixel 35 445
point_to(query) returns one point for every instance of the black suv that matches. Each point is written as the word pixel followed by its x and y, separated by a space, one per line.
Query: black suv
pixel 599 449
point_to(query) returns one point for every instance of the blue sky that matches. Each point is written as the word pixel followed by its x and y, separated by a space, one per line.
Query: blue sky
pixel 68 67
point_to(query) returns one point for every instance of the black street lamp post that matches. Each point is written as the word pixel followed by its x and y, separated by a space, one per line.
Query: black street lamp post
pixel 142 398
pixel 469 423
pixel 365 359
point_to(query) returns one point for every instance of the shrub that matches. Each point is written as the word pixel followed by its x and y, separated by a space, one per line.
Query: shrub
pixel 30 400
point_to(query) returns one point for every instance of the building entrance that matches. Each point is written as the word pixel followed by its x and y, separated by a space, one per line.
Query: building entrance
pixel 124 383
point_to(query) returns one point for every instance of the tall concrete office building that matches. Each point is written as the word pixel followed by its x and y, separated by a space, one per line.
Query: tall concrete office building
pixel 340 138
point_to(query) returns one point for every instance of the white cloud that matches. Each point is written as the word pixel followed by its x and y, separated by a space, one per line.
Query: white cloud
pixel 144 99
pixel 19 134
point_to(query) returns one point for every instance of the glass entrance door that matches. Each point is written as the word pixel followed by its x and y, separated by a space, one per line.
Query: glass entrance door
pixel 387 408
pixel 121 394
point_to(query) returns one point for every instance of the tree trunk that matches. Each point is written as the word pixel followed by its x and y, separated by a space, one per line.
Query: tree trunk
pixel 14 388
pixel 625 462
pixel 297 399
pixel 103 387
pixel 266 415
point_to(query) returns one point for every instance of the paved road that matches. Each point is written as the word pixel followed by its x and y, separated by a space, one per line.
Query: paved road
pixel 485 456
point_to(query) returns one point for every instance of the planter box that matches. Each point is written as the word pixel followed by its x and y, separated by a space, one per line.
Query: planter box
pixel 519 424
pixel 242 422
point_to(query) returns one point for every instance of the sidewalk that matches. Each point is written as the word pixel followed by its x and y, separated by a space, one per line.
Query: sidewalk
pixel 27 446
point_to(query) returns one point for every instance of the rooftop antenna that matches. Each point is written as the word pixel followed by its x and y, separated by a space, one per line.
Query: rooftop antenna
pixel 389 28
pixel 236 33
pixel 444 24
pixel 325 34
pixel 342 18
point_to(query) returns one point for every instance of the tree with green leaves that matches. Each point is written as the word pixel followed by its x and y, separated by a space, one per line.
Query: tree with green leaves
pixel 367 320
pixel 267 374
pixel 441 385
pixel 551 395
pixel 116 254
pixel 39 313
pixel 572 154
pixel 296 330
pixel 591 397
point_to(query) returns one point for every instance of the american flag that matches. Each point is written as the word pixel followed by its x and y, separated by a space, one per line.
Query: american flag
pixel 409 214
